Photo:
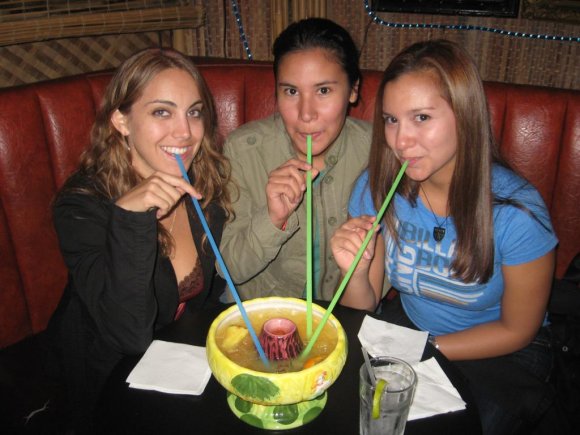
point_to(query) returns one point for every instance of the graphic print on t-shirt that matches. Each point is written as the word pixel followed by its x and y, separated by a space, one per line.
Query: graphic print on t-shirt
pixel 422 267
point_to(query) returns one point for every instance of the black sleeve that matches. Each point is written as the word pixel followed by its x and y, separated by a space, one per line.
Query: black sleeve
pixel 110 254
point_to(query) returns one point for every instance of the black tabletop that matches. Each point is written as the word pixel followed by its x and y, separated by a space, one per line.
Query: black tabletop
pixel 131 411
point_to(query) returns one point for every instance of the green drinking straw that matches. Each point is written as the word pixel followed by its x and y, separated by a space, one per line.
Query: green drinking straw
pixel 309 238
pixel 357 258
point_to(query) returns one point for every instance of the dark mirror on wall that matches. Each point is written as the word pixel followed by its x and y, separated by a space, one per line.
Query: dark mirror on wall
pixel 493 8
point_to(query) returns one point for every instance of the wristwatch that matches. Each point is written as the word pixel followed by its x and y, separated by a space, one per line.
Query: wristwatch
pixel 433 340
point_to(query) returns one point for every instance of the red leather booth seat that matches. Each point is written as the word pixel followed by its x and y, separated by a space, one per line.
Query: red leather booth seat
pixel 44 127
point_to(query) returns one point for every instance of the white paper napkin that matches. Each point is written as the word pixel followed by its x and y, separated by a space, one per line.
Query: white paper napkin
pixel 434 394
pixel 171 368
pixel 383 338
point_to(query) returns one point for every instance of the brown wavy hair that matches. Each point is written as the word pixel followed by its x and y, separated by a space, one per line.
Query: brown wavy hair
pixel 470 195
pixel 107 161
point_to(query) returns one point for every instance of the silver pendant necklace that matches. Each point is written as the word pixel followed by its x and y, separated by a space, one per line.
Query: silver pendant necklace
pixel 439 230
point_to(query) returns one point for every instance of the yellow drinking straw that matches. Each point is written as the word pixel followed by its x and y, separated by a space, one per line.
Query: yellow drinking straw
pixel 309 238
pixel 357 258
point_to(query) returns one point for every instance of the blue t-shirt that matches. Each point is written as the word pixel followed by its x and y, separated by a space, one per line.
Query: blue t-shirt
pixel 420 267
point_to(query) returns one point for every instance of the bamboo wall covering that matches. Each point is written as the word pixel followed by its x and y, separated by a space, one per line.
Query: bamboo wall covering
pixel 32 20
pixel 499 58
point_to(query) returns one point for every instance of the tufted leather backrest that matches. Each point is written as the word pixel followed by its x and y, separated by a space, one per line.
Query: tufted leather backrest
pixel 538 131
pixel 45 126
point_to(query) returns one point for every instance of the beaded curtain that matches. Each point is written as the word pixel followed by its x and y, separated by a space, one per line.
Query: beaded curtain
pixel 513 50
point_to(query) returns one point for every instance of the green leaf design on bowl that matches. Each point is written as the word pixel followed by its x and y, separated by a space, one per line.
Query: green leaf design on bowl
pixel 255 387
pixel 311 414
pixel 286 414
pixel 243 405
pixel 252 420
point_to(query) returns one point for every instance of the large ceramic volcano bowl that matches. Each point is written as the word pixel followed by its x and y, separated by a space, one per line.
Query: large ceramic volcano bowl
pixel 275 400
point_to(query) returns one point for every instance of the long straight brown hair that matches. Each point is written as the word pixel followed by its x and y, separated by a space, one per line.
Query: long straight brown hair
pixel 470 195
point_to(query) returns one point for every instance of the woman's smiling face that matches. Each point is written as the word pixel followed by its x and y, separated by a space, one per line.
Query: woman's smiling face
pixel 420 126
pixel 167 119
pixel 313 95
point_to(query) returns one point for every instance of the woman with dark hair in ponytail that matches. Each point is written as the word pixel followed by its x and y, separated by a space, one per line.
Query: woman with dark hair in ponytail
pixel 317 79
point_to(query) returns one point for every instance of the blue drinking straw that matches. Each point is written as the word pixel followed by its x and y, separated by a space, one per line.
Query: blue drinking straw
pixel 223 267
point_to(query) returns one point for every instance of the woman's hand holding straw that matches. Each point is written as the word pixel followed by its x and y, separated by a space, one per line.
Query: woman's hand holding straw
pixel 350 271
pixel 223 267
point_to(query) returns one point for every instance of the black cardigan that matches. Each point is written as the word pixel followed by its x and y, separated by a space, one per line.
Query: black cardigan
pixel 120 288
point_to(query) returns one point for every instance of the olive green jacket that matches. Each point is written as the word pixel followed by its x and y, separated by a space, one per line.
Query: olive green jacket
pixel 262 259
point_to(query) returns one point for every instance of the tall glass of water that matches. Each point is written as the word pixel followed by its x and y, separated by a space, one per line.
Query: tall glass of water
pixel 392 404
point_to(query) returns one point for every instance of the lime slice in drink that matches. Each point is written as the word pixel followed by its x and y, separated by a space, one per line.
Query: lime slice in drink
pixel 381 384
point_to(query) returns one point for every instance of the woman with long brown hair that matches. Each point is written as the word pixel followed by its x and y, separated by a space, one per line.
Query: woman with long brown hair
pixel 134 247
pixel 467 242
